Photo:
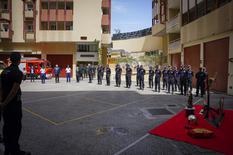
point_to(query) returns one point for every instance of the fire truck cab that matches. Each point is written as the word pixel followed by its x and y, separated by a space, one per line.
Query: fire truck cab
pixel 37 64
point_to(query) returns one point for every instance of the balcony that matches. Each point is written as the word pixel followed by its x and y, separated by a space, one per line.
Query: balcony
pixel 5 35
pixel 105 20
pixel 174 4
pixel 105 3
pixel 106 39
pixel 174 25
pixel 5 16
pixel 158 30
pixel 29 36
pixel 28 14
pixel 174 46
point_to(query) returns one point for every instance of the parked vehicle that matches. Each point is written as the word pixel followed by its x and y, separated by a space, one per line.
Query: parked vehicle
pixel 37 64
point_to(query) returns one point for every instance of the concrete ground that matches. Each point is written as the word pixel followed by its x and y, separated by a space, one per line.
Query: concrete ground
pixel 89 119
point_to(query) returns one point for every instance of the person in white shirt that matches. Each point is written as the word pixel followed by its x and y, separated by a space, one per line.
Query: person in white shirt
pixel 43 74
pixel 68 72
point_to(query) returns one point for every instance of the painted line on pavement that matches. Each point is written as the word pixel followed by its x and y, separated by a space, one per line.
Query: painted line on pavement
pixel 132 144
pixel 51 98
pixel 38 115
pixel 103 111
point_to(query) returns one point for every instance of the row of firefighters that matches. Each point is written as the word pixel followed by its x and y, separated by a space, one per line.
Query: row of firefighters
pixel 173 79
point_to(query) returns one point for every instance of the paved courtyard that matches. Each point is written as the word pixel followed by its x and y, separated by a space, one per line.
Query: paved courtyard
pixel 89 119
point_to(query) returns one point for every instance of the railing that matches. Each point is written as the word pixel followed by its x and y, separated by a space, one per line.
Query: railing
pixel 129 35
pixel 30 35
pixel 173 23
pixel 5 15
pixel 5 34
pixel 174 44
pixel 28 13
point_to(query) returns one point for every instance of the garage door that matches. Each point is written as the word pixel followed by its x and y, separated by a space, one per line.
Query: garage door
pixel 192 57
pixel 62 61
pixel 176 60
pixel 216 54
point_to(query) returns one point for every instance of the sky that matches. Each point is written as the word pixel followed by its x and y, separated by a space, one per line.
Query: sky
pixel 131 15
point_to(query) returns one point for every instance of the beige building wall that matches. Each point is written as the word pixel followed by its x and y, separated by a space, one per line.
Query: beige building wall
pixel 17 21
pixel 86 22
pixel 147 43
pixel 216 22
pixel 213 26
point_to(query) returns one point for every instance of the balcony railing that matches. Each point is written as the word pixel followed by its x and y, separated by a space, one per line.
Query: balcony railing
pixel 5 34
pixel 174 46
pixel 5 15
pixel 29 35
pixel 106 39
pixel 173 25
pixel 28 13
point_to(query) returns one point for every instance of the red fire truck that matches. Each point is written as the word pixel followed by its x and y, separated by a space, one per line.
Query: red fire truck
pixel 37 64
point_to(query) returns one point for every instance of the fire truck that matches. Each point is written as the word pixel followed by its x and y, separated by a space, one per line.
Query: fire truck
pixel 37 64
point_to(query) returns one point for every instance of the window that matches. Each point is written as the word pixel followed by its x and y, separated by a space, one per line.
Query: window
pixel 52 5
pixel 163 11
pixel 192 10
pixel 29 6
pixel 105 11
pixel 60 25
pixel 200 8
pixel 44 5
pixel 52 26
pixel 4 4
pixel 69 5
pixel 61 5
pixel 44 26
pixel 211 5
pixel 69 25
pixel 4 27
pixel 105 29
pixel 185 6
pixel 29 26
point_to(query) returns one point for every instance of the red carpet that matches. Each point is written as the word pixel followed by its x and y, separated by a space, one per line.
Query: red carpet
pixel 174 129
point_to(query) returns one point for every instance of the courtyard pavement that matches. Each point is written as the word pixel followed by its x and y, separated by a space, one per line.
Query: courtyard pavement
pixel 89 119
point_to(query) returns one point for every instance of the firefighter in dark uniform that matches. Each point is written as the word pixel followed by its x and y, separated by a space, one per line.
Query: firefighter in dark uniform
pixel 108 75
pixel 89 70
pixel 77 73
pixel 128 76
pixel 137 76
pixel 183 87
pixel 189 78
pixel 118 72
pixel 177 79
pixel 151 76
pixel 142 72
pixel 201 77
pixel 99 74
pixel 171 80
pixel 157 78
pixel 165 78
pixel 11 105
pixel 94 71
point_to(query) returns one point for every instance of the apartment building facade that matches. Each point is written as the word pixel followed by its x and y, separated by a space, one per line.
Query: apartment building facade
pixel 65 32
pixel 199 33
